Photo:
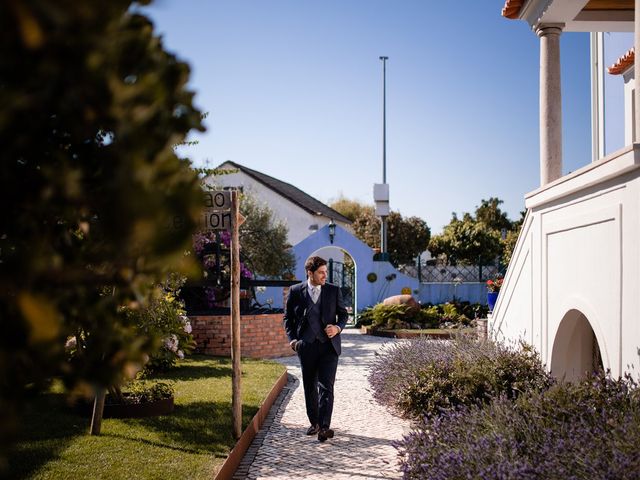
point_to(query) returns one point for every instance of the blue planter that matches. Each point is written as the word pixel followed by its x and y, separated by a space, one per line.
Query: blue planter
pixel 491 300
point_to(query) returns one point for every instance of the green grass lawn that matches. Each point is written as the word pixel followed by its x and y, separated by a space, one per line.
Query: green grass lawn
pixel 191 443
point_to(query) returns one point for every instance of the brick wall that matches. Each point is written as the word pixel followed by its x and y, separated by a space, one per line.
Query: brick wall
pixel 261 336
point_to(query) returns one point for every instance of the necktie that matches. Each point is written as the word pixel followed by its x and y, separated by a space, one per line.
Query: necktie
pixel 315 294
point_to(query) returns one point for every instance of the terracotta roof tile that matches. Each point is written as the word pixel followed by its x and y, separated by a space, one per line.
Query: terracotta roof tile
pixel 623 63
pixel 512 8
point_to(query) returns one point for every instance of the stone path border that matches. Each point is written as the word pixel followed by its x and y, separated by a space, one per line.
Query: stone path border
pixel 262 416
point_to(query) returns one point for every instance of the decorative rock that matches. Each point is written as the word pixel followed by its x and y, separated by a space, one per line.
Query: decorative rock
pixel 401 300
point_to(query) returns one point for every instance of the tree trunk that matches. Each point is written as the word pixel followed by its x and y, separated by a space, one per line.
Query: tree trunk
pixel 98 409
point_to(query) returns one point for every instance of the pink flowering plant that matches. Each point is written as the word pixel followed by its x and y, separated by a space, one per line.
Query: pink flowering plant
pixel 214 252
pixel 495 285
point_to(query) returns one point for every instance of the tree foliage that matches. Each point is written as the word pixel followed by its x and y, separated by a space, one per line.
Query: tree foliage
pixel 510 240
pixel 467 242
pixel 263 241
pixel 406 238
pixel 477 239
pixel 491 215
pixel 91 107
pixel 366 227
pixel 352 209
pixel 474 239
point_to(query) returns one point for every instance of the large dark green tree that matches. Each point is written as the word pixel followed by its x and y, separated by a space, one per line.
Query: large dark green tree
pixel 91 105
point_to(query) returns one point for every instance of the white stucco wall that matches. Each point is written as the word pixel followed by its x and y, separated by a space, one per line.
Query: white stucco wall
pixel 578 251
pixel 299 221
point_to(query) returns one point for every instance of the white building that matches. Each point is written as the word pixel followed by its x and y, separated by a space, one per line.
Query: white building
pixel 571 289
pixel 303 214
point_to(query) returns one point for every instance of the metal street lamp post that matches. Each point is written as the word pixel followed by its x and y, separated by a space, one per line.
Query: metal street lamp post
pixel 384 212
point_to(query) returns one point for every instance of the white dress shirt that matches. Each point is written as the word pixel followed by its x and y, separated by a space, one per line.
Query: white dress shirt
pixel 314 291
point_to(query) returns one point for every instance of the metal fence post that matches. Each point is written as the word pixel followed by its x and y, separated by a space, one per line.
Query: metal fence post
pixel 331 270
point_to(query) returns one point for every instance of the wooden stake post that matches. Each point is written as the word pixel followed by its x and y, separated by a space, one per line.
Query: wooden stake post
pixel 236 399
pixel 222 212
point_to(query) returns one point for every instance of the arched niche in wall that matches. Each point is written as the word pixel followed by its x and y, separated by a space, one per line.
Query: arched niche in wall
pixel 575 348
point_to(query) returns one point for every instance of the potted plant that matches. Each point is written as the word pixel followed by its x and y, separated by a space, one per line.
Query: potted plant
pixel 493 288
pixel 143 399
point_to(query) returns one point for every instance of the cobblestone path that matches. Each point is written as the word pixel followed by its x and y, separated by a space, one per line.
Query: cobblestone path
pixel 365 430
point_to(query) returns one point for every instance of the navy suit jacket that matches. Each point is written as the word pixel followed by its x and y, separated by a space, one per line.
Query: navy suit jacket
pixel 332 308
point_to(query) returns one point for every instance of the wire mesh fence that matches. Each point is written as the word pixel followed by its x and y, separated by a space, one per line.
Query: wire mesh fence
pixel 452 273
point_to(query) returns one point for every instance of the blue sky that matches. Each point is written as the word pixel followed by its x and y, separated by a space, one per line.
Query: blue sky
pixel 294 89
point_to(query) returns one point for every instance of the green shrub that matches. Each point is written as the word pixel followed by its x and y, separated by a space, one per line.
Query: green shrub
pixel 389 317
pixel 165 318
pixel 365 317
pixel 140 391
pixel 445 315
pixel 428 318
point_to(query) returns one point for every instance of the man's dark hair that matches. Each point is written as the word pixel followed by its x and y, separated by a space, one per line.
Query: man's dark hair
pixel 314 263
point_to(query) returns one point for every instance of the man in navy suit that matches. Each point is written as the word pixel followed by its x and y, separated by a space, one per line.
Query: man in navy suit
pixel 314 317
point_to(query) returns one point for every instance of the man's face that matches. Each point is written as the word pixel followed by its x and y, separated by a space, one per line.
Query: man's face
pixel 319 277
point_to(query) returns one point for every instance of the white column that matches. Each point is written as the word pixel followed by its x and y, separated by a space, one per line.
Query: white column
pixel 550 103
pixel 636 73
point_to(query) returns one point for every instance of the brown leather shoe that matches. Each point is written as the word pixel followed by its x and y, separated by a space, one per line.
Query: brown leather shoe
pixel 324 434
pixel 313 429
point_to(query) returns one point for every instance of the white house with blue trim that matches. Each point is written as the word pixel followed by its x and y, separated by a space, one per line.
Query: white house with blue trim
pixel 317 229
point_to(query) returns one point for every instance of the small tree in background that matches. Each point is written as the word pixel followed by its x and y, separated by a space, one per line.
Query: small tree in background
pixel 466 242
pixel 263 240
pixel 352 209
pixel 492 216
pixel 90 187
pixel 475 240
pixel 406 237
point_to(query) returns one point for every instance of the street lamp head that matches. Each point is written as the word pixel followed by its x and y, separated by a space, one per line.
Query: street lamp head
pixel 384 58
pixel 332 230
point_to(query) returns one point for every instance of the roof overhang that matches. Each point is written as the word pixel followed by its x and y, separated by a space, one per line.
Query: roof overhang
pixel 575 15
pixel 624 63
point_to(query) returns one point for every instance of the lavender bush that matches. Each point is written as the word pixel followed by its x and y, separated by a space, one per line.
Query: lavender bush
pixel 425 377
pixel 571 431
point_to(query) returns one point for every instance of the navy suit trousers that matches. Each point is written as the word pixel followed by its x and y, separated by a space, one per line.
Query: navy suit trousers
pixel 319 362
